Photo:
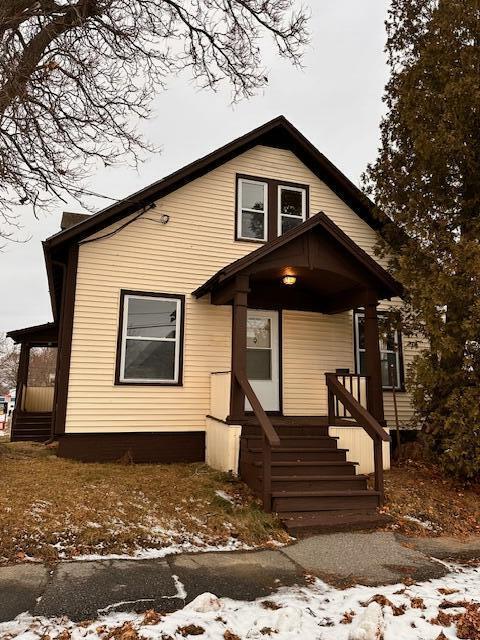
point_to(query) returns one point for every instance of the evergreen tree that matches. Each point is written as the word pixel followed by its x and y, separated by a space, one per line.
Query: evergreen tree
pixel 427 180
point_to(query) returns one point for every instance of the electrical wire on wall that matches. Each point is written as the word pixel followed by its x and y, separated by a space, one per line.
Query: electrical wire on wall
pixel 163 220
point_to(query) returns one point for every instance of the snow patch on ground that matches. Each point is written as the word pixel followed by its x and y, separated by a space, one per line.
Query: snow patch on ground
pixel 225 496
pixel 317 612
pixel 195 546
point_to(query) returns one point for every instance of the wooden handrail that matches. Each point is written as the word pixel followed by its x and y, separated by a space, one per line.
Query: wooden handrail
pixel 365 419
pixel 263 419
pixel 270 438
pixel 359 413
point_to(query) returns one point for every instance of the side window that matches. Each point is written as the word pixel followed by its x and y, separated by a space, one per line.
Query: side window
pixel 150 341
pixel 390 353
pixel 252 208
pixel 292 207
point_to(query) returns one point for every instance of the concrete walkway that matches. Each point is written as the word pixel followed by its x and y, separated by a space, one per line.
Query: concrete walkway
pixel 86 589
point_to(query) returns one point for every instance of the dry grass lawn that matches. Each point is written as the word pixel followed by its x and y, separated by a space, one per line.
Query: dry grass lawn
pixel 423 501
pixel 53 508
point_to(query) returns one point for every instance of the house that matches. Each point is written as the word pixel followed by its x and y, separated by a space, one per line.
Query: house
pixel 228 312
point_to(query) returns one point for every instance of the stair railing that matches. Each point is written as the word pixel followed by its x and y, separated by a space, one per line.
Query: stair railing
pixel 337 392
pixel 269 438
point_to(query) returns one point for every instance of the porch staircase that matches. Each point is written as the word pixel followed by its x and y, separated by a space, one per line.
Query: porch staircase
pixel 313 486
pixel 29 426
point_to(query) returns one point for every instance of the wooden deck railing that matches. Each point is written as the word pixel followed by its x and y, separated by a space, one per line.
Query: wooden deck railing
pixel 357 385
pixel 338 392
pixel 270 438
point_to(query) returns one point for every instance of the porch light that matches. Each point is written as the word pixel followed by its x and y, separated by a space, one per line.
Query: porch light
pixel 289 280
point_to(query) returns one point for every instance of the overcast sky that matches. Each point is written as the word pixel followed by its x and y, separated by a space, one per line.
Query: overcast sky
pixel 335 102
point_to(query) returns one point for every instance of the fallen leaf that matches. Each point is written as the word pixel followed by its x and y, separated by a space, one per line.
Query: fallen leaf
pixel 151 617
pixel 190 630
pixel 347 617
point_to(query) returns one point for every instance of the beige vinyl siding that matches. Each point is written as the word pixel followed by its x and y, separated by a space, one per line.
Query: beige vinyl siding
pixel 313 344
pixel 176 258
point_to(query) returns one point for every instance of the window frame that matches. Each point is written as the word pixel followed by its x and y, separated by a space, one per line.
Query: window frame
pixel 400 386
pixel 271 220
pixel 280 215
pixel 240 209
pixel 125 295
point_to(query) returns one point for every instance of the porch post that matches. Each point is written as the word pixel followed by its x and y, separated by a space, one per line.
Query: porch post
pixel 22 376
pixel 372 361
pixel 239 345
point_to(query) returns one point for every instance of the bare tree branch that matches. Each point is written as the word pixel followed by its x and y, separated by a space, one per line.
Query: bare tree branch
pixel 76 75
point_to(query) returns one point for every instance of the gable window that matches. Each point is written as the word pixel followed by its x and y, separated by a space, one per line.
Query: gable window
pixel 266 208
pixel 390 353
pixel 252 209
pixel 291 207
pixel 150 340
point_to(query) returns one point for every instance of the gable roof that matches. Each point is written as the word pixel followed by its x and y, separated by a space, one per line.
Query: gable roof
pixel 278 132
pixel 390 286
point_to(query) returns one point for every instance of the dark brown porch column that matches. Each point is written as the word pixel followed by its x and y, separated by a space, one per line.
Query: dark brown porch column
pixel 239 345
pixel 372 361
pixel 22 375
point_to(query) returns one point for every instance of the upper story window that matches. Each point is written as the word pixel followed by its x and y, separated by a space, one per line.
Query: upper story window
pixel 150 341
pixel 390 353
pixel 267 208
pixel 291 207
pixel 252 209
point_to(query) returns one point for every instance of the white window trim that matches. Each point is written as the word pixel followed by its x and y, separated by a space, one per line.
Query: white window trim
pixel 398 385
pixel 177 339
pixel 281 215
pixel 240 209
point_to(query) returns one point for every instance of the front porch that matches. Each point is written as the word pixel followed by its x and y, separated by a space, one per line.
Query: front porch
pixel 32 416
pixel 293 461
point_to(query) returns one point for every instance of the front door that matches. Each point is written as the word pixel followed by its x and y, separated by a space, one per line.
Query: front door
pixel 263 358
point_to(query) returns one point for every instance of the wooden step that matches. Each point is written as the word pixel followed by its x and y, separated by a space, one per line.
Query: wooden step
pixel 35 427
pixel 324 500
pixel 300 524
pixel 297 441
pixel 318 483
pixel 304 453
pixel 311 467
pixel 287 430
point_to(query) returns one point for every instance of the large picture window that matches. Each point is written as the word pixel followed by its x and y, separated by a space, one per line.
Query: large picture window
pixel 150 341
pixel 252 209
pixel 390 353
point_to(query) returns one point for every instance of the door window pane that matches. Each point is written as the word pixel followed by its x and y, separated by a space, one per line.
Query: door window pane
pixel 258 333
pixel 259 364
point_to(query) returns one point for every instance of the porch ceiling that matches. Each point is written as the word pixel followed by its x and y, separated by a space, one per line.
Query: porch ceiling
pixel 333 274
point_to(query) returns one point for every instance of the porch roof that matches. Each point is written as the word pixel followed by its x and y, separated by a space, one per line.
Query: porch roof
pixel 38 335
pixel 333 273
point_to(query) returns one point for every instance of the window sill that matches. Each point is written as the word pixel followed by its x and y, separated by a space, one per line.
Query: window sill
pixel 148 384
pixel 252 240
